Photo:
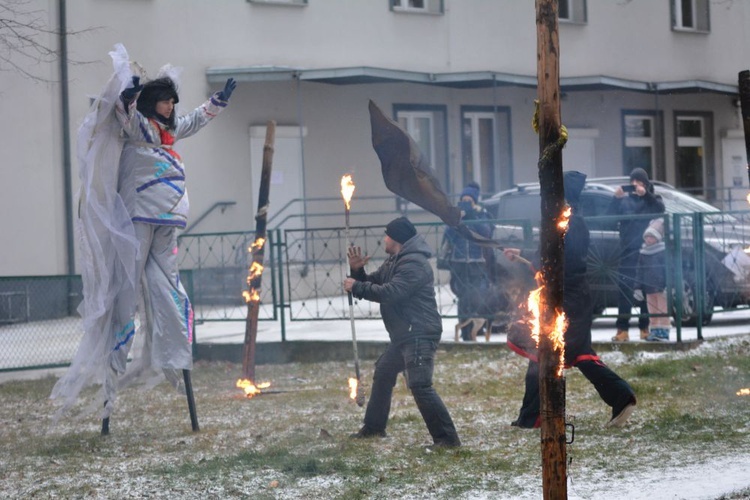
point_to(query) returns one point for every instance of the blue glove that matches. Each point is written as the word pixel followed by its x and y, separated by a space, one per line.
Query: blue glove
pixel 129 93
pixel 229 87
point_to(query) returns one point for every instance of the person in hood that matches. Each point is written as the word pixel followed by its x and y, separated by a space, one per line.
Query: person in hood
pixel 652 280
pixel 467 261
pixel 642 201
pixel 578 308
pixel 404 287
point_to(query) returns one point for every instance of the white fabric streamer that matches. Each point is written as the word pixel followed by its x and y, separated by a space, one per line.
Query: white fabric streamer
pixel 107 245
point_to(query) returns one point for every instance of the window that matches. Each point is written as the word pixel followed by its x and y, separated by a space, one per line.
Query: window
pixel 418 6
pixel 640 145
pixel 690 157
pixel 427 126
pixel 485 147
pixel 691 15
pixel 572 11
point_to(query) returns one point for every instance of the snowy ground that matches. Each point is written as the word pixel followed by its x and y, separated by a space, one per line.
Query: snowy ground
pixel 704 477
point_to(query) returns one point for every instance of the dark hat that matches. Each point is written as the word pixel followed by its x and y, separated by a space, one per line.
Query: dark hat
pixel 573 183
pixel 400 230
pixel 161 89
pixel 638 174
pixel 471 190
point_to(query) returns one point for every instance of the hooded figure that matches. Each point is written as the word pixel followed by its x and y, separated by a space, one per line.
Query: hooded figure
pixel 577 305
pixel 645 203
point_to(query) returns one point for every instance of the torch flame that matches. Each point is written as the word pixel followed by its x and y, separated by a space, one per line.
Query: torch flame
pixel 562 223
pixel 744 392
pixel 557 330
pixel 353 383
pixel 347 190
pixel 257 244
pixel 256 269
pixel 250 388
pixel 748 198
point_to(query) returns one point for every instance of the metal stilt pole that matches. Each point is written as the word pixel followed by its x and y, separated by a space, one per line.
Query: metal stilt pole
pixel 190 400
pixel 105 424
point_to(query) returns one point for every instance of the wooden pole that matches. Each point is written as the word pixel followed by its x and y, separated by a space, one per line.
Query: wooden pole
pixel 551 381
pixel 251 323
pixel 744 86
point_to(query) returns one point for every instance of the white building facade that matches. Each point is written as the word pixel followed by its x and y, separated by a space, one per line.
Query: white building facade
pixel 645 83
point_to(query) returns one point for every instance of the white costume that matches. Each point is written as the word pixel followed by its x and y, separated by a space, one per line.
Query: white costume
pixel 132 203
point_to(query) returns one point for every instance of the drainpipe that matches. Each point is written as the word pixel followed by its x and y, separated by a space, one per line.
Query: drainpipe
pixel 65 117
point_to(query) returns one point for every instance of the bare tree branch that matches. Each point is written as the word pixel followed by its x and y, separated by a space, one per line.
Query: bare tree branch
pixel 26 40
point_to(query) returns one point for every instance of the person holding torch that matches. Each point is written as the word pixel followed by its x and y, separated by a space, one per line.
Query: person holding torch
pixel 403 285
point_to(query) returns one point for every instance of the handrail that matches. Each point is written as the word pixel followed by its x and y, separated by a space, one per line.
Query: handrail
pixel 219 204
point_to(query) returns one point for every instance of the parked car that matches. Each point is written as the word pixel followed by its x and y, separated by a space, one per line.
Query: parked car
pixel 725 243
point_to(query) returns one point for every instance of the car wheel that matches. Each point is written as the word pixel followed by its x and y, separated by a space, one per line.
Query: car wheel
pixel 690 305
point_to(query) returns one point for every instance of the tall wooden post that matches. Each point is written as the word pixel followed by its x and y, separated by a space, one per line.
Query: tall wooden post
pixel 551 381
pixel 258 250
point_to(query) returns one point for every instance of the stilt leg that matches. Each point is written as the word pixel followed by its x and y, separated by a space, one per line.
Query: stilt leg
pixel 191 400
pixel 105 424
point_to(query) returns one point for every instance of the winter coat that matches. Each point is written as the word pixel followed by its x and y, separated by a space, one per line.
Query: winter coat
pixel 152 175
pixel 462 250
pixel 404 287
pixel 631 230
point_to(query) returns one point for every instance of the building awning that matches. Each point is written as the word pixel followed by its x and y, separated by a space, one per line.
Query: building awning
pixel 461 80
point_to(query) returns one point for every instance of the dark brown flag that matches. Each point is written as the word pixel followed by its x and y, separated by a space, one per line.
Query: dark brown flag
pixel 407 173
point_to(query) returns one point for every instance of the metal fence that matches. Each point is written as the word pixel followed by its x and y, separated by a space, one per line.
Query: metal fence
pixel 304 269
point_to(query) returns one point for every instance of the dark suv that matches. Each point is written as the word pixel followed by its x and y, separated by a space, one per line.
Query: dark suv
pixel 725 240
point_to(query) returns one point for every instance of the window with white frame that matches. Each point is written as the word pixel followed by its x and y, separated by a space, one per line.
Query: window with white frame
pixel 418 6
pixel 690 157
pixel 691 15
pixel 572 11
pixel 640 143
pixel 426 124
pixel 485 147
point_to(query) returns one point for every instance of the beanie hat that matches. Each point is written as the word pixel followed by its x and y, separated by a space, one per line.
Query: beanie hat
pixel 573 183
pixel 471 190
pixel 638 174
pixel 400 230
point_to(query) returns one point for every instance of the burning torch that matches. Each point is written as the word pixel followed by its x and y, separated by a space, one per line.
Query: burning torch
pixel 355 387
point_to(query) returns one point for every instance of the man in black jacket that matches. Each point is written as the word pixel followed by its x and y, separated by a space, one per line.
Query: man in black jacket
pixel 403 286
pixel 640 201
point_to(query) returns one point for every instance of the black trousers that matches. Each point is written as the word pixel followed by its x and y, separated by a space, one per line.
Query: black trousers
pixel 611 388
pixel 417 359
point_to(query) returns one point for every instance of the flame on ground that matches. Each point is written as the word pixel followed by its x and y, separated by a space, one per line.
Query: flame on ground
pixel 250 388
pixel 556 331
pixel 744 392
pixel 353 383
pixel 347 190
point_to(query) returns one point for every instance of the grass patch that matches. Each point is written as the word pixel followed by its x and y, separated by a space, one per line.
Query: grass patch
pixel 294 444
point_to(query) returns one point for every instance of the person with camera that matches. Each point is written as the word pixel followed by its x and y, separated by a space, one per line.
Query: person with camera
pixel 636 199
pixel 469 269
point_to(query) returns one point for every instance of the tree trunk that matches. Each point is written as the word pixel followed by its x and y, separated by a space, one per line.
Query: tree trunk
pixel 251 323
pixel 551 381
